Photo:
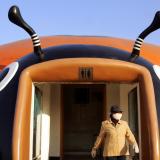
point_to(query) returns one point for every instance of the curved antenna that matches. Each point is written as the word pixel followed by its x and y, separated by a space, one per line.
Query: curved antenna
pixel 139 41
pixel 15 17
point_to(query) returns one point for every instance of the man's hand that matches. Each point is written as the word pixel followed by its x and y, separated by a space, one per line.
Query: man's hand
pixel 135 147
pixel 93 153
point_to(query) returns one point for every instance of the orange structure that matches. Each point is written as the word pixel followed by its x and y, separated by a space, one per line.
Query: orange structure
pixel 12 51
pixel 54 95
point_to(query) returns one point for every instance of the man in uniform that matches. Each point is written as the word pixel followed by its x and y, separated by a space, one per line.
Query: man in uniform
pixel 114 133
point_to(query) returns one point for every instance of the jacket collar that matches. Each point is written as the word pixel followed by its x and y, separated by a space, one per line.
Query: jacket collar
pixel 119 122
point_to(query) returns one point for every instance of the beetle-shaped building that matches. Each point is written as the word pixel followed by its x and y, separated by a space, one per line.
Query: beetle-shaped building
pixel 52 101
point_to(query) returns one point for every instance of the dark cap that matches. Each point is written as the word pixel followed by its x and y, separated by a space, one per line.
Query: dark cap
pixel 115 109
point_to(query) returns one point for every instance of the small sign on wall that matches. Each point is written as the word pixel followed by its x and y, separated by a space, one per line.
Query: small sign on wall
pixel 86 73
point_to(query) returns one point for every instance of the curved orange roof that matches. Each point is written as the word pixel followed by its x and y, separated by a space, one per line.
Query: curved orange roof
pixel 12 51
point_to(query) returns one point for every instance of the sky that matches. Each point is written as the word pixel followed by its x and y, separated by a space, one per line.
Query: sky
pixel 113 18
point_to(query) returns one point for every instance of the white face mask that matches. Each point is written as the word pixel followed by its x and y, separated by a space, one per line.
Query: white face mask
pixel 117 116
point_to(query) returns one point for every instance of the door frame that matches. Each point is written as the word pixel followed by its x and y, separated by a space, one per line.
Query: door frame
pixel 67 70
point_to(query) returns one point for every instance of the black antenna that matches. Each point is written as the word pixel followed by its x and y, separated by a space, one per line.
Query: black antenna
pixel 15 17
pixel 139 41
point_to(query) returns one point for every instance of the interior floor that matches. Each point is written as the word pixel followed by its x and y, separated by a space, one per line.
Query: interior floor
pixel 80 157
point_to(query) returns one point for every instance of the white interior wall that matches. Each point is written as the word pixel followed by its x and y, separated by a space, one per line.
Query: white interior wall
pixel 45 133
pixel 124 90
pixel 31 123
pixel 112 96
pixel 55 120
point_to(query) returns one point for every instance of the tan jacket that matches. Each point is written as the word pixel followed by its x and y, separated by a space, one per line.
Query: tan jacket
pixel 114 138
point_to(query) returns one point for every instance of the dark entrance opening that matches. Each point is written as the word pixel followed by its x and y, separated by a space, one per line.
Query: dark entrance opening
pixel 83 112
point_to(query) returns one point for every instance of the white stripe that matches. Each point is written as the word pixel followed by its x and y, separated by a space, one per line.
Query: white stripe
pixel 137 48
pixel 34 35
pixel 38 44
pixel 35 38
pixel 13 67
pixel 140 39
pixel 138 45
pixel 36 41
pixel 157 70
pixel 137 42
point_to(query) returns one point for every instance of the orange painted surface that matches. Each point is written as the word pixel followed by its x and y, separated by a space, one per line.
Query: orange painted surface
pixel 12 51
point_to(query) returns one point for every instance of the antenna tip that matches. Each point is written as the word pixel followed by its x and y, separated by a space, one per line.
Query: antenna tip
pixel 13 11
pixel 157 14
